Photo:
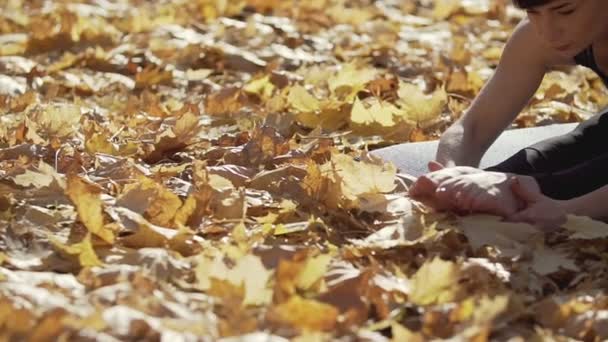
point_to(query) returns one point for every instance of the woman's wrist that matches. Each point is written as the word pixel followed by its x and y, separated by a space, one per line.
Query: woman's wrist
pixel 573 206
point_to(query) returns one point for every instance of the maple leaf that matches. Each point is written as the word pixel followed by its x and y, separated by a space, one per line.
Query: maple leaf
pixel 43 176
pixel 55 121
pixel 313 270
pixel 435 282
pixel 154 200
pixel 548 260
pixel 585 228
pixel 509 238
pixel 301 100
pixel 351 77
pixel 359 178
pixel 248 272
pixel 419 107
pixel 262 86
pixel 377 113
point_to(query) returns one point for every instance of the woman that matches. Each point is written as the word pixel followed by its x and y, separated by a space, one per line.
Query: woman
pixel 567 173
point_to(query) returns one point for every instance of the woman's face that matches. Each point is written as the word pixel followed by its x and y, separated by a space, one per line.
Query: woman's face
pixel 569 26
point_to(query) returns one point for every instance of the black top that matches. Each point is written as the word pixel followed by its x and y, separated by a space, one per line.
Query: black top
pixel 586 58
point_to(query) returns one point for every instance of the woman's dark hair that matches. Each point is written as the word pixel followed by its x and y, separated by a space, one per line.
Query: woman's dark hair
pixel 525 4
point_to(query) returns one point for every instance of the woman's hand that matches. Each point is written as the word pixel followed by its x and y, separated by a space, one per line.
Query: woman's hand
pixel 542 211
pixel 465 190
pixel 484 192
pixel 425 187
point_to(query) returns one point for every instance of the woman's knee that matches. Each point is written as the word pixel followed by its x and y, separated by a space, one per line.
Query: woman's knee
pixel 525 162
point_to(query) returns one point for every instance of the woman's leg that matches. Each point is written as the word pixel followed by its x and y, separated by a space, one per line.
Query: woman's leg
pixel 575 181
pixel 587 141
pixel 568 165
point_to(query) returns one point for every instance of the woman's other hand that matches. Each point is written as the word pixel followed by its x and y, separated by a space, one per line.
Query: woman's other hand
pixel 542 211
pixel 425 186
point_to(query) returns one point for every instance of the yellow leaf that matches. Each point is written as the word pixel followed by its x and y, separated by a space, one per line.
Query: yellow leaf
pixel 86 197
pixel 359 178
pixel 352 16
pixel 444 8
pixel 487 309
pixel 261 86
pixel 301 100
pixel 57 120
pixel 508 238
pixel 313 270
pixel 185 211
pixel 435 282
pixel 352 76
pixel 307 314
pixel 288 228
pixel 248 272
pixel 547 260
pixel 377 113
pixel 42 177
pixel 220 183
pixel 401 333
pixel 419 107
pixel 83 250
pixel 586 228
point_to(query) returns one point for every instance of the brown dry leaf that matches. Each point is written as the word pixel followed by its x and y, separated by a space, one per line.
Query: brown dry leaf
pixel 142 232
pixel 175 138
pixel 14 319
pixel 152 75
pixel 151 199
pixel 228 101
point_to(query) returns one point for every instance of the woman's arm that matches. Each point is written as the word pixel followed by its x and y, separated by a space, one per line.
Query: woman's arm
pixel 593 204
pixel 523 64
pixel 548 213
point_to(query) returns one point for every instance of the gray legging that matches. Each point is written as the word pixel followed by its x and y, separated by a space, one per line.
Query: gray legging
pixel 568 165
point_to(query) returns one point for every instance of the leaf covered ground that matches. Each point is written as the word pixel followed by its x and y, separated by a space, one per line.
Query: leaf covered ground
pixel 198 170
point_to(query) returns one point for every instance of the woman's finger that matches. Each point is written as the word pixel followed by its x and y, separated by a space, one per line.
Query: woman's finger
pixel 523 193
pixel 435 166
pixel 525 215
pixel 423 186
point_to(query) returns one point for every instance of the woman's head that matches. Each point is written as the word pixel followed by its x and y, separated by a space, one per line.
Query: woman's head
pixel 524 4
pixel 567 25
